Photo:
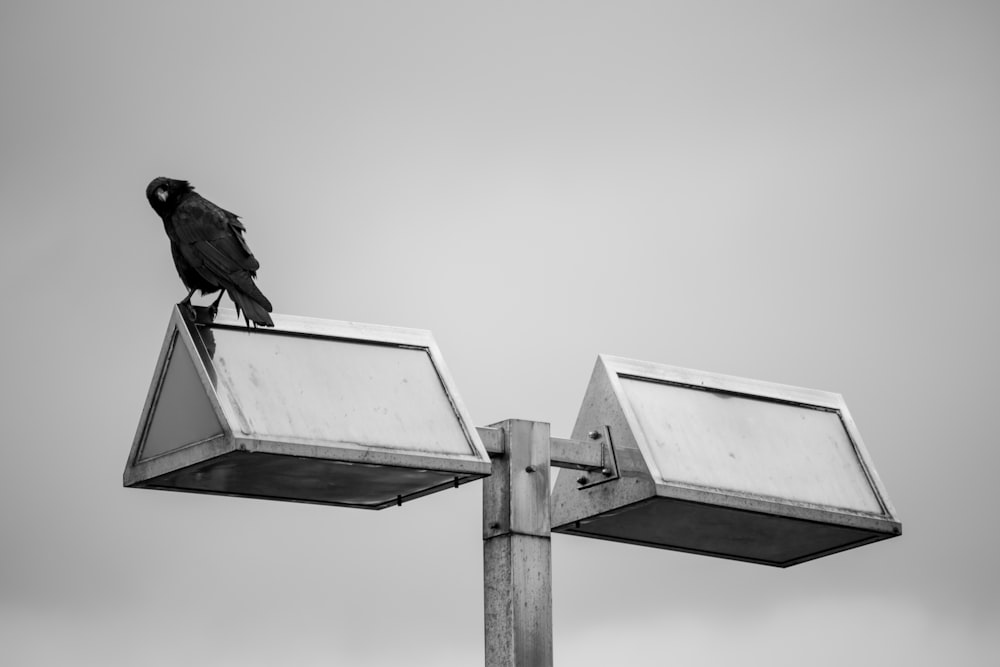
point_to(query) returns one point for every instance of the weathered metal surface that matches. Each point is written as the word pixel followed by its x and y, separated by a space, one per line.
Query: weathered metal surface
pixel 587 454
pixel 326 392
pixel 516 494
pixel 492 439
pixel 774 423
pixel 600 409
pixel 518 601
pixel 724 466
pixel 709 438
pixel 312 410
pixel 517 550
pixel 608 472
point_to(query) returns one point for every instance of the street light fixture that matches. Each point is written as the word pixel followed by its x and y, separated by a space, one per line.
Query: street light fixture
pixel 312 410
pixel 722 466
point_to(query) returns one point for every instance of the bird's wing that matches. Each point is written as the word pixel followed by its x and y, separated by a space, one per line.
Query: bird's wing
pixel 235 224
pixel 189 276
pixel 211 236
pixel 211 241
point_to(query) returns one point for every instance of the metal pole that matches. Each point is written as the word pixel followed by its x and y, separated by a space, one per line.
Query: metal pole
pixel 517 553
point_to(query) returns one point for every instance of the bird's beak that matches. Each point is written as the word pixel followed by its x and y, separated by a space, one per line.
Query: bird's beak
pixel 161 194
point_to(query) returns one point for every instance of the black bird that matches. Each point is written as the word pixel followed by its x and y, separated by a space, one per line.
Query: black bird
pixel 208 248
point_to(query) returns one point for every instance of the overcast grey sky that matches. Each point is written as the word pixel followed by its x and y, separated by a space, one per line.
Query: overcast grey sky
pixel 799 192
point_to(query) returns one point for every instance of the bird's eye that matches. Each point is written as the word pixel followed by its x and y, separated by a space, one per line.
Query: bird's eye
pixel 161 194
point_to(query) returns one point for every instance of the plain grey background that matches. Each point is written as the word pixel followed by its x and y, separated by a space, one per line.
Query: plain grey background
pixel 799 192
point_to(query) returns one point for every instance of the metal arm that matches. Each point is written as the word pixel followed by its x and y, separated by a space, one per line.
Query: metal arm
pixel 593 455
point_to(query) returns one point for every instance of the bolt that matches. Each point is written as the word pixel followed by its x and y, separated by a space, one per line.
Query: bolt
pixel 594 435
pixel 606 472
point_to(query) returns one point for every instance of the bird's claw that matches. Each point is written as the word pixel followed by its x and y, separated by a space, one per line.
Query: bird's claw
pixel 206 314
pixel 198 314
pixel 188 311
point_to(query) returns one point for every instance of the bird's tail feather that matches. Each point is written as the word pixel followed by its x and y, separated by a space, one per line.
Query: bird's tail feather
pixel 255 308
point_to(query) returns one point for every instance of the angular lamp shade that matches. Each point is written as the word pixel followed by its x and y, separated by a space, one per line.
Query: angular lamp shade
pixel 312 411
pixel 723 466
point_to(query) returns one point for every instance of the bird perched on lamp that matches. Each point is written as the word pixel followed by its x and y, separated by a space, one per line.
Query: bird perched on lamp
pixel 208 248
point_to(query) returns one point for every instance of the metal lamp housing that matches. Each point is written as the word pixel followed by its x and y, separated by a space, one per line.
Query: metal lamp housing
pixel 316 411
pixel 722 466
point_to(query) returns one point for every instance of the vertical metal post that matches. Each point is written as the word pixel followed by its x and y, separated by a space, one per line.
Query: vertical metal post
pixel 517 554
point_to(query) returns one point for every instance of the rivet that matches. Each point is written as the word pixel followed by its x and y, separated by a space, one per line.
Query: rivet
pixel 530 469
pixel 581 480
pixel 594 435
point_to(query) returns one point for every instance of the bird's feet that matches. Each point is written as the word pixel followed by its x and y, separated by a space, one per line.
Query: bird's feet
pixel 187 310
pixel 198 314
pixel 205 314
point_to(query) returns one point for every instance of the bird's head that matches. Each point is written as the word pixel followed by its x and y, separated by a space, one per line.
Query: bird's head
pixel 165 193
